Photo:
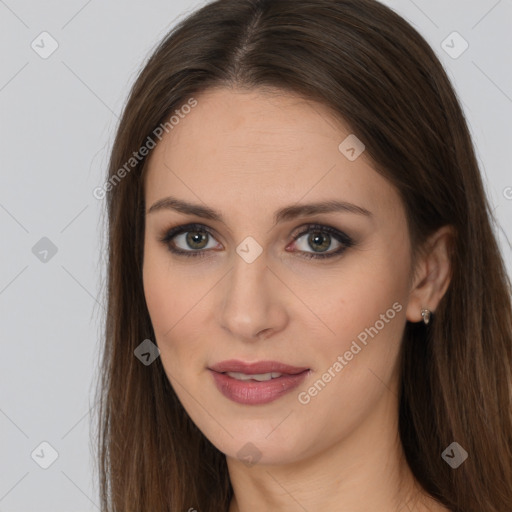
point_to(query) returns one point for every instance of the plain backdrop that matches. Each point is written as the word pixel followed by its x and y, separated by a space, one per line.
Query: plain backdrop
pixel 58 117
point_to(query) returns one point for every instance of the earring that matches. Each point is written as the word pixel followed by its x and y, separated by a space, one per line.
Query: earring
pixel 425 313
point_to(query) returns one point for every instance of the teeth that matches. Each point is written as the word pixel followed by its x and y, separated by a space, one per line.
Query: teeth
pixel 259 376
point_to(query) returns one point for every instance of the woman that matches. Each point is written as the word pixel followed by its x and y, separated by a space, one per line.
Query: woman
pixel 307 307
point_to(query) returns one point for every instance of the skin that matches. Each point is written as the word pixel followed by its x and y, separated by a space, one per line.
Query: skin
pixel 246 155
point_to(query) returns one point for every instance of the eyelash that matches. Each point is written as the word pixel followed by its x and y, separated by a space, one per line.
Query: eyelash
pixel 341 237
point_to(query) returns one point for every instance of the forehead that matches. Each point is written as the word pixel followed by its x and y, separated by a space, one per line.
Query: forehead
pixel 261 149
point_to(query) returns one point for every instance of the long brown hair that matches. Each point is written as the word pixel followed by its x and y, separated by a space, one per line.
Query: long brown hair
pixel 379 75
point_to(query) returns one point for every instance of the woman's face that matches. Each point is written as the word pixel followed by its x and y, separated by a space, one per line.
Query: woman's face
pixel 255 167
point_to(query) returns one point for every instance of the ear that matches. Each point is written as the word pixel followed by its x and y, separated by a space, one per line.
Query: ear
pixel 432 274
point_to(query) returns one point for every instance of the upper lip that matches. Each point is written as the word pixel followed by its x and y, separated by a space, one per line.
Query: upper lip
pixel 258 367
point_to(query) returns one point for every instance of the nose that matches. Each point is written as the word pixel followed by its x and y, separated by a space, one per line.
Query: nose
pixel 252 303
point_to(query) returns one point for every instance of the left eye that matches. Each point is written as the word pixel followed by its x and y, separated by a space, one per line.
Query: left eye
pixel 317 239
pixel 320 238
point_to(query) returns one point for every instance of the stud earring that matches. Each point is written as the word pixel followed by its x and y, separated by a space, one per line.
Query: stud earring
pixel 425 313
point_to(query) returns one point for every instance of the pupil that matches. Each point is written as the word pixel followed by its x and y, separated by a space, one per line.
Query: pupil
pixel 195 239
pixel 315 237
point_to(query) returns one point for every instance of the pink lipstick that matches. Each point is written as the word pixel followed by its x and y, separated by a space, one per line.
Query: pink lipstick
pixel 256 383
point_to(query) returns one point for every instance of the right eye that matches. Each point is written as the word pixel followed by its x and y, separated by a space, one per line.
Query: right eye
pixel 194 240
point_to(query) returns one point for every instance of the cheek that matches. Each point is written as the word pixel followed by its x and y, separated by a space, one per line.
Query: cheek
pixel 163 299
pixel 366 305
pixel 356 365
pixel 176 304
pixel 167 294
pixel 156 291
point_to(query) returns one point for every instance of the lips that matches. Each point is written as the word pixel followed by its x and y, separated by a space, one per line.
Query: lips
pixel 258 367
pixel 270 380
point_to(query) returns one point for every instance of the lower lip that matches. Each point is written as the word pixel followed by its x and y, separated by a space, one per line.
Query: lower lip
pixel 251 392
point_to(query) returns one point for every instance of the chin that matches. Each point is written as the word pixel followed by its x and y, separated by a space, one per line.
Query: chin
pixel 254 446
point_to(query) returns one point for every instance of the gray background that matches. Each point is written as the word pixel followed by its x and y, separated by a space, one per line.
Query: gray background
pixel 58 118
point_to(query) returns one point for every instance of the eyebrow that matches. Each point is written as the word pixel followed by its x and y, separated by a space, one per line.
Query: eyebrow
pixel 282 215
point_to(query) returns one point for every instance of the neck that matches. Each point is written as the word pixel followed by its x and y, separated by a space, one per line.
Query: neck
pixel 365 471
